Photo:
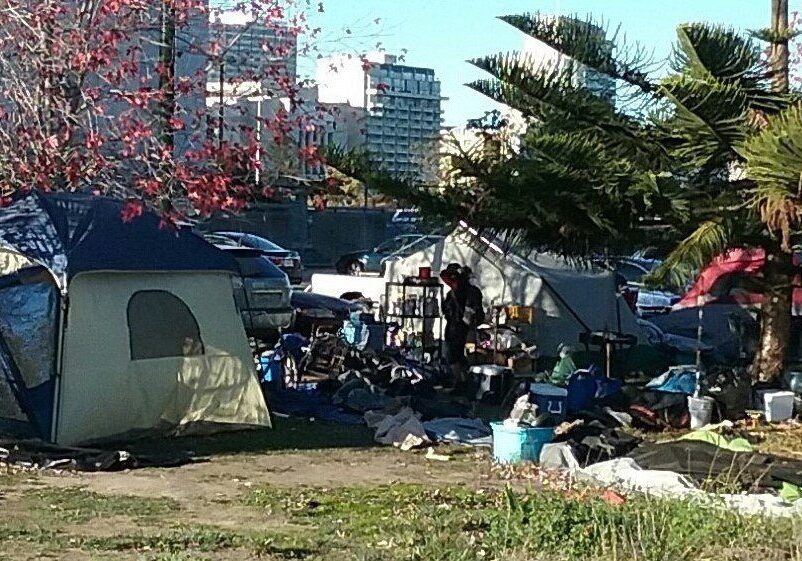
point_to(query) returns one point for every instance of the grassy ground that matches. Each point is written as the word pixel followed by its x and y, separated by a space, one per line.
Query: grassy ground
pixel 267 495
pixel 391 522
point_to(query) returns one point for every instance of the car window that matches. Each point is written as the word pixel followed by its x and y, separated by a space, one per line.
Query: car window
pixel 218 239
pixel 259 242
pixel 391 245
pixel 231 236
pixel 630 272
pixel 419 245
pixel 253 264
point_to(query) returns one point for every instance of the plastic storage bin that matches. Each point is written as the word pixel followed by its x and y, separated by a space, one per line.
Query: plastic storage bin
pixel 550 399
pixel 778 406
pixel 512 445
pixel 701 411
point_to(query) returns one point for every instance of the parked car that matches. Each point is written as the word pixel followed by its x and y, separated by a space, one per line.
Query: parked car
pixel 370 260
pixel 262 293
pixel 406 216
pixel 630 273
pixel 287 260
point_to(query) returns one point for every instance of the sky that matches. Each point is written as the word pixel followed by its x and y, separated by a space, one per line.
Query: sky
pixel 443 34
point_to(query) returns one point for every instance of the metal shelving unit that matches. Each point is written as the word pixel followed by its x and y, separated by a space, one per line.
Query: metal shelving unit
pixel 413 306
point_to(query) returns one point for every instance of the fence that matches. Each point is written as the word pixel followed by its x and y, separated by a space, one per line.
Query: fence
pixel 320 236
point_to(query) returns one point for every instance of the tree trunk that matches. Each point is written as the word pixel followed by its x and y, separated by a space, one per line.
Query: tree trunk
pixel 775 333
pixel 779 55
pixel 167 72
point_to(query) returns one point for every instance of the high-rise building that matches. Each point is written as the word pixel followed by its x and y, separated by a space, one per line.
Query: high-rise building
pixel 543 56
pixel 402 104
pixel 254 51
pixel 249 113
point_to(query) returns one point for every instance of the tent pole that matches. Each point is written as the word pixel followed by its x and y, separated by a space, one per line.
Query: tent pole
pixel 699 331
pixel 59 363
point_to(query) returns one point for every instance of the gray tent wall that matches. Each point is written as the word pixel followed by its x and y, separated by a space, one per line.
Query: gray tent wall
pixel 569 300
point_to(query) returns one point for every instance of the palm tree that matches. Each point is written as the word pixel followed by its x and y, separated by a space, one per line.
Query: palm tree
pixel 706 158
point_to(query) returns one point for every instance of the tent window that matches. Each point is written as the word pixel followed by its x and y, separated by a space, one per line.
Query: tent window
pixel 161 325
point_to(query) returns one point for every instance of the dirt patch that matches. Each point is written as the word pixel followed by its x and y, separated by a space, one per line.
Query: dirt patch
pixel 224 478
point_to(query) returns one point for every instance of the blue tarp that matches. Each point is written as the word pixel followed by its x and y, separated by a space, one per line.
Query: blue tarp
pixel 309 404
pixel 337 306
pixel 71 233
pixel 678 379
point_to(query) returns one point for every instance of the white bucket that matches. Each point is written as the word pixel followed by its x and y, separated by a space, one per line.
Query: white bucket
pixel 701 410
pixel 778 406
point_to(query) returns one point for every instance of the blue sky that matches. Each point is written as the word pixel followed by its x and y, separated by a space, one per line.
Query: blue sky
pixel 442 34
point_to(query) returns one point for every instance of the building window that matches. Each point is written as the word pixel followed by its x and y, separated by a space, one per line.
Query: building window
pixel 160 325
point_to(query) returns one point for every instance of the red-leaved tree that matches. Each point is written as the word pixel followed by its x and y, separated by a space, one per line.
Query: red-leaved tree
pixel 111 96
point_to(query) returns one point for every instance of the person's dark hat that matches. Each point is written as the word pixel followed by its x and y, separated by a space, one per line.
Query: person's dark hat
pixel 452 269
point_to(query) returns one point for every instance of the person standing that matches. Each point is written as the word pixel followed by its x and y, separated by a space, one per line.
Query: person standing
pixel 474 315
pixel 464 311
pixel 456 332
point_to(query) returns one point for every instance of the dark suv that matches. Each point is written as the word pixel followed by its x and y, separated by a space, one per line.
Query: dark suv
pixel 262 293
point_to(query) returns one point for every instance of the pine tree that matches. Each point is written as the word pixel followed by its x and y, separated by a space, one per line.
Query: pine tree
pixel 706 158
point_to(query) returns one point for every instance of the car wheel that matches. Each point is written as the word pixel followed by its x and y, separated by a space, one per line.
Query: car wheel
pixel 355 269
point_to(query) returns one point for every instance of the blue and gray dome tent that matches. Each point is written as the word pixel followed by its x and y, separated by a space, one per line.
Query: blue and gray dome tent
pixel 108 327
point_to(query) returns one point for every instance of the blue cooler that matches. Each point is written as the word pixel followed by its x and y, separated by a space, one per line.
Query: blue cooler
pixel 550 399
pixel 512 445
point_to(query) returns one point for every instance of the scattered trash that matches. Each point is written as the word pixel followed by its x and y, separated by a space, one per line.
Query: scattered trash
pixel 612 498
pixel 431 455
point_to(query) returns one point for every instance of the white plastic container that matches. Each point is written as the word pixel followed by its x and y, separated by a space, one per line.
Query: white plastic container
pixel 778 406
pixel 701 410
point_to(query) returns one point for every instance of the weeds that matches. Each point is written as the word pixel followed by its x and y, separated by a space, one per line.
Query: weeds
pixel 180 539
pixel 419 523
pixel 77 505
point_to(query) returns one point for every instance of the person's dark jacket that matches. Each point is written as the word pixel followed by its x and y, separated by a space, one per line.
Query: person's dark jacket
pixel 473 300
pixel 454 311
pixel 457 301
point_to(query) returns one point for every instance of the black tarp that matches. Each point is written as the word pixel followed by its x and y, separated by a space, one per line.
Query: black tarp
pixel 703 461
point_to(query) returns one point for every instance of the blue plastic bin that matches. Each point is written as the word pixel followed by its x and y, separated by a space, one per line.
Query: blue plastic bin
pixel 272 370
pixel 512 445
pixel 550 399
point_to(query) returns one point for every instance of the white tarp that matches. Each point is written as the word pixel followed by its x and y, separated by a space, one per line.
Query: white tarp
pixel 337 285
pixel 569 300
pixel 625 474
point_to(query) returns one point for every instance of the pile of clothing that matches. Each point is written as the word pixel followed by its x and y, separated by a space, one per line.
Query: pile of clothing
pixel 664 401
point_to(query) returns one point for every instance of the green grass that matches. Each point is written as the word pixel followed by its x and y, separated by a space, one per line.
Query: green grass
pixel 202 539
pixel 408 522
pixel 77 505
pixel 421 523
